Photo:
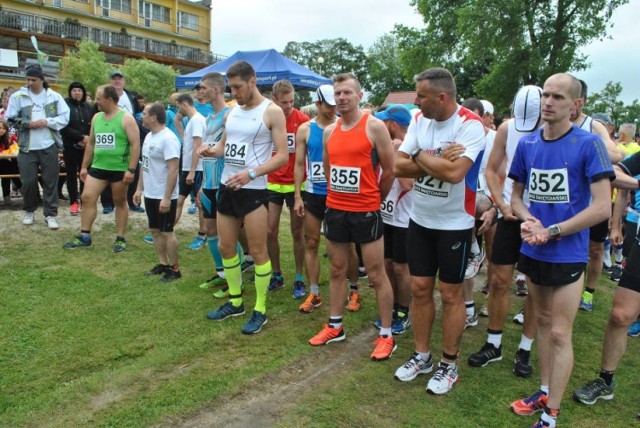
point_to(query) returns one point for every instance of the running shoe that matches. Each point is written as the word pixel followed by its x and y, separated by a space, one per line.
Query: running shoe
pixel 634 329
pixel 222 293
pixel 519 317
pixel 327 335
pixel 362 273
pixel 521 287
pixel 385 346
pixel 593 391
pixel 119 246
pixel 616 273
pixel 606 269
pixel 107 209
pixel 530 405
pixel 52 222
pixel 247 265
pixel 521 365
pixel 78 242
pixel 413 367
pixel 312 302
pixel 487 354
pixel 158 269
pixel 445 377
pixel 541 424
pixel 474 263
pixel 586 302
pixel 276 283
pixel 171 275
pixel 192 209
pixel 298 289
pixel 136 209
pixel 148 239
pixel 214 281
pixel 472 321
pixel 484 311
pixel 28 218
pixel 353 304
pixel 225 311
pixel 400 324
pixel 198 242
pixel 75 209
pixel 255 323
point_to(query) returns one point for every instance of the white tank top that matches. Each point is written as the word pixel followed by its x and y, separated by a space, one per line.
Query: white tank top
pixel 248 144
pixel 513 137
pixel 587 124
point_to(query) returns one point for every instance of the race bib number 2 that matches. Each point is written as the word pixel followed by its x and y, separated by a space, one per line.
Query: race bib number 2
pixel 345 179
pixel 317 172
pixel 235 154
pixel 549 185
pixel 106 141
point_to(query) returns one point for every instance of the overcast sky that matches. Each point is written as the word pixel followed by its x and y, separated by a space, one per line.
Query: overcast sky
pixel 258 24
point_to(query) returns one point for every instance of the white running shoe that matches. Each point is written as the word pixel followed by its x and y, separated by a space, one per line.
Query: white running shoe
pixel 28 218
pixel 519 317
pixel 414 367
pixel 52 222
pixel 474 263
pixel 443 380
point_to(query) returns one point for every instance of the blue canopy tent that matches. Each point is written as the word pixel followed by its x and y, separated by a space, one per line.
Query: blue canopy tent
pixel 270 67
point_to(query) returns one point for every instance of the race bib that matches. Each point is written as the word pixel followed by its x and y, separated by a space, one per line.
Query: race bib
pixel 291 142
pixel 386 209
pixel 144 163
pixel 345 179
pixel 317 172
pixel 431 186
pixel 235 153
pixel 549 185
pixel 106 141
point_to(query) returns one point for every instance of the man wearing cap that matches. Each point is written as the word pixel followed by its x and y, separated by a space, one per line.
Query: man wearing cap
pixel 395 215
pixel 605 119
pixel 507 240
pixel 281 188
pixel 488 117
pixel 311 203
pixel 39 114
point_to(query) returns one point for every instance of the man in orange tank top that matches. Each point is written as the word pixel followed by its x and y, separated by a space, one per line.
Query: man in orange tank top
pixel 354 149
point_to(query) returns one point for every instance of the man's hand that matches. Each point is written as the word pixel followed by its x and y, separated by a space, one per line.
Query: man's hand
pixel 453 152
pixel 236 181
pixel 487 220
pixel 83 174
pixel 190 177
pixel 507 212
pixel 137 197
pixel 165 205
pixel 533 232
pixel 298 206
pixel 38 124
pixel 128 177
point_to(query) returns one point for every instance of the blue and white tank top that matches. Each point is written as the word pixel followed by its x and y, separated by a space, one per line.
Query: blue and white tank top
pixel 316 181
pixel 212 167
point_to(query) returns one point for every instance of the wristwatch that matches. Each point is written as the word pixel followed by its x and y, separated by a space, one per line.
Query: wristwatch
pixel 131 170
pixel 554 231
pixel 415 154
pixel 252 174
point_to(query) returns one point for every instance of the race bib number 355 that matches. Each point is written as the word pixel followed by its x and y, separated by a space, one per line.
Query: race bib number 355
pixel 549 185
pixel 345 179
pixel 106 141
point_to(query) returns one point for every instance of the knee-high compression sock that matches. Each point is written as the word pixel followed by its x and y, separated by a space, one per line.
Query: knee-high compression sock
pixel 234 279
pixel 215 253
pixel 263 275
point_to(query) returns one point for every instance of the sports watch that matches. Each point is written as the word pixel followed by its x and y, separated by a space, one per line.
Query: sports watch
pixel 415 153
pixel 252 174
pixel 554 231
pixel 131 170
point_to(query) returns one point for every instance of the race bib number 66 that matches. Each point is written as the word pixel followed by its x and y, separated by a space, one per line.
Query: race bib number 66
pixel 549 185
pixel 345 179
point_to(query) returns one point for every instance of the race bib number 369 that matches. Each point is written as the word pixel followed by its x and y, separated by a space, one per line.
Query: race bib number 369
pixel 106 141
pixel 549 185
pixel 345 179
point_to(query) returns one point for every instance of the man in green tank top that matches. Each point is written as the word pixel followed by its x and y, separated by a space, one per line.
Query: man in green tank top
pixel 110 158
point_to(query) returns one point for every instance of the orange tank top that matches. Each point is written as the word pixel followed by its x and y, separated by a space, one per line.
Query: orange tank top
pixel 353 183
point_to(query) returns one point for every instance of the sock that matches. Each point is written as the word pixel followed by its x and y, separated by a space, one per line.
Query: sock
pixel 335 322
pixel 446 364
pixel 606 259
pixel 202 234
pixel 471 308
pixel 385 332
pixel 617 254
pixel 263 274
pixel 525 343
pixel 589 290
pixel 607 376
pixel 353 286
pixel 234 278
pixel 424 355
pixel 494 337
pixel 220 273
pixel 175 267
pixel 86 234
pixel 299 277
pixel 213 249
pixel 520 277
pixel 314 289
pixel 120 238
pixel 549 416
pixel 544 389
pixel 475 248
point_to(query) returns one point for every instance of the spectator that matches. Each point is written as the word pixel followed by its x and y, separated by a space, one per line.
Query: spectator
pixel 8 146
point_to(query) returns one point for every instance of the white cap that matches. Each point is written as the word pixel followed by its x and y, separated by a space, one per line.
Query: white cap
pixel 527 108
pixel 488 107
pixel 325 94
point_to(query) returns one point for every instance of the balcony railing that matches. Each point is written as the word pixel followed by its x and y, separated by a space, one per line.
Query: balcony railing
pixel 69 29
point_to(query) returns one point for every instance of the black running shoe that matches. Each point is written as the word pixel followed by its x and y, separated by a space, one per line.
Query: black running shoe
pixel 486 355
pixel 521 365
pixel 171 275
pixel 158 269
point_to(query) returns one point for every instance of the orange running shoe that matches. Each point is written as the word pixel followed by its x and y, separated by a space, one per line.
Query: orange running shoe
pixel 530 405
pixel 384 348
pixel 312 302
pixel 353 305
pixel 327 335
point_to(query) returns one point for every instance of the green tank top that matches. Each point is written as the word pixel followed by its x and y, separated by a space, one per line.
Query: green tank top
pixel 112 149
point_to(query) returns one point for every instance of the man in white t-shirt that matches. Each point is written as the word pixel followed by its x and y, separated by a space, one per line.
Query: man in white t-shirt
pixel 159 164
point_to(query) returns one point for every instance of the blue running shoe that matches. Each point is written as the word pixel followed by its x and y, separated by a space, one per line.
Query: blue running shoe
pixel 276 283
pixel 148 239
pixel 586 302
pixel 136 209
pixel 192 209
pixel 298 290
pixel 377 323
pixel 634 329
pixel 225 311
pixel 400 324
pixel 198 242
pixel 77 242
pixel 107 209
pixel 255 323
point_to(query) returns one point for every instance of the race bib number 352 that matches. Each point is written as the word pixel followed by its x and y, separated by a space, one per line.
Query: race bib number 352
pixel 549 185
pixel 345 179
pixel 106 141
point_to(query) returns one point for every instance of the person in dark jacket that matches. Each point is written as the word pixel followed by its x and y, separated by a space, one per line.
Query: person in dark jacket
pixel 74 138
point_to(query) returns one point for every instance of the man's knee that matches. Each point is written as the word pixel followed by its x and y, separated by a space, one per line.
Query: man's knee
pixel 421 291
pixel 621 318
pixel 451 294
pixel 596 249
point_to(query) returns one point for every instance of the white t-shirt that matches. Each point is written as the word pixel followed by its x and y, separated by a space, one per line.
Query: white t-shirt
pixel 396 207
pixel 39 138
pixel 482 182
pixel 437 204
pixel 197 127
pixel 125 103
pixel 157 149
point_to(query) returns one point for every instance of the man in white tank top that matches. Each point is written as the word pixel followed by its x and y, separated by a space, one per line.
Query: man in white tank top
pixel 252 129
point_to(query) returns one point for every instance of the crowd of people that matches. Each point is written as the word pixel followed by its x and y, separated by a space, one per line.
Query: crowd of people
pixel 412 195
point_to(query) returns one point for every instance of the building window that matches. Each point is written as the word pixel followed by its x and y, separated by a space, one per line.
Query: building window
pixel 188 21
pixel 120 5
pixel 154 11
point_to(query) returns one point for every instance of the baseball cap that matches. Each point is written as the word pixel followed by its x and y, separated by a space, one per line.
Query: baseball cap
pixel 527 108
pixel 198 86
pixel 396 112
pixel 488 107
pixel 604 118
pixel 116 73
pixel 325 95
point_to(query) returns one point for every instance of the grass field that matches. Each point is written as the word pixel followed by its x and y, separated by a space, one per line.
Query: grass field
pixel 88 340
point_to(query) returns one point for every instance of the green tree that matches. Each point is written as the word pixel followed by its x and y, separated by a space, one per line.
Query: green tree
pixel 385 71
pixel 518 41
pixel 155 81
pixel 606 101
pixel 86 64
